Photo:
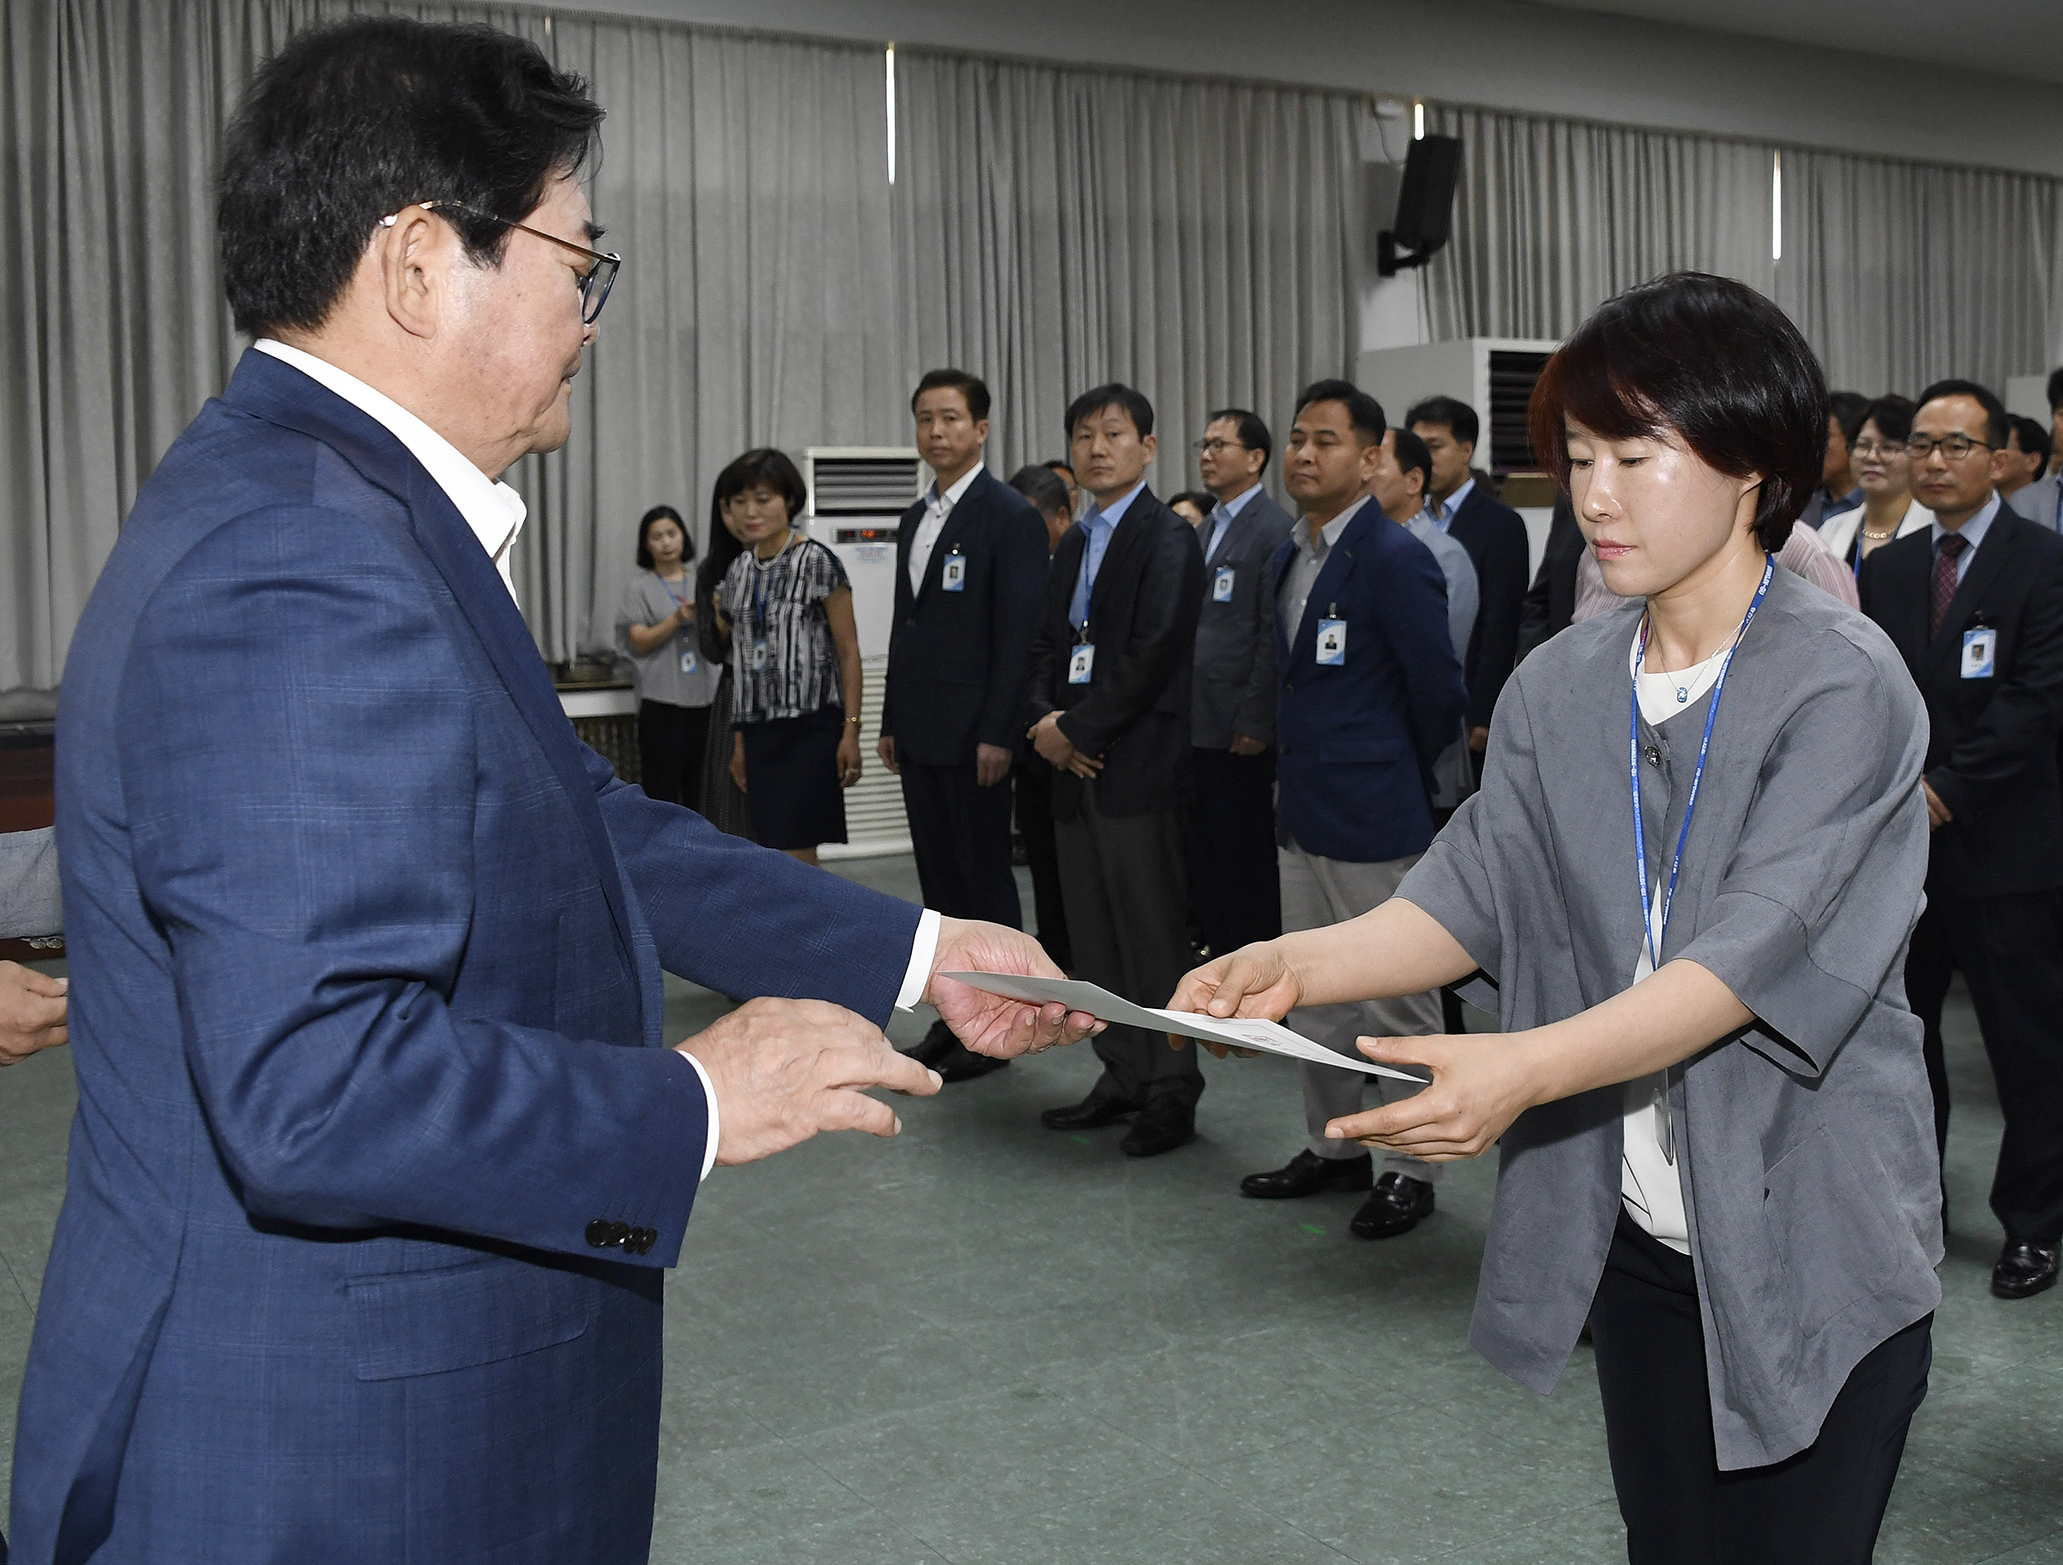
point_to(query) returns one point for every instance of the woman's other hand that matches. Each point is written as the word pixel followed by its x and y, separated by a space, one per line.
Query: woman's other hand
pixel 1481 1082
pixel 738 760
pixel 849 757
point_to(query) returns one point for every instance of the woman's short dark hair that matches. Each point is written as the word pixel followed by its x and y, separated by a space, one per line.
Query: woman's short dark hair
pixel 1708 360
pixel 1893 416
pixel 349 123
pixel 763 465
pixel 663 513
pixel 1202 499
pixel 1040 485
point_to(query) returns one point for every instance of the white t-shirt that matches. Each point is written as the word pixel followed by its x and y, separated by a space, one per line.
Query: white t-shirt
pixel 1650 1185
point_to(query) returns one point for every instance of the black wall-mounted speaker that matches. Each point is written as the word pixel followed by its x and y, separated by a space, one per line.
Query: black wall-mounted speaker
pixel 1425 205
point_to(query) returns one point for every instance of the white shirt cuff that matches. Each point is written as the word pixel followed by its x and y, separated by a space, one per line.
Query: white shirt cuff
pixel 923 952
pixel 715 1120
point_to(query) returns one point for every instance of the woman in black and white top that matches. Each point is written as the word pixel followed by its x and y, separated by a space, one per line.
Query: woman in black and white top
pixel 655 625
pixel 795 658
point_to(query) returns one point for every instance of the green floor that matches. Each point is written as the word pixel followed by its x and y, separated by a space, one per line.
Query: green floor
pixel 984 1342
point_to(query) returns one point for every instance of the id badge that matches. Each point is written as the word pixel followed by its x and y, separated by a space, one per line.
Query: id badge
pixel 757 657
pixel 954 577
pixel 1332 641
pixel 688 664
pixel 1080 662
pixel 1221 585
pixel 1980 650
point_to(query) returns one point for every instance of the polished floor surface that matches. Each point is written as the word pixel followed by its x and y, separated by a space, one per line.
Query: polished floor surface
pixel 990 1344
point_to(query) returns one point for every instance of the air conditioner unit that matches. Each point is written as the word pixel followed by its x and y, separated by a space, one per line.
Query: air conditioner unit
pixel 857 496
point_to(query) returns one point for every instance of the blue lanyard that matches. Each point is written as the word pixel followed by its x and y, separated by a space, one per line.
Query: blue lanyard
pixel 1657 939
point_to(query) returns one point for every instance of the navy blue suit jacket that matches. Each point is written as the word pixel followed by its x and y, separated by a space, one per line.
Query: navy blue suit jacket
pixel 1356 741
pixel 366 952
pixel 959 663
pixel 1495 537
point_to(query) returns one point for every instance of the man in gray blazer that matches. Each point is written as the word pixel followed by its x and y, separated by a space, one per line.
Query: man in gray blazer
pixel 1230 824
pixel 2031 489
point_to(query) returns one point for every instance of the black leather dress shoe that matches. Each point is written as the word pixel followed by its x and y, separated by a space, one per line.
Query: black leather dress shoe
pixel 1160 1127
pixel 1307 1173
pixel 2024 1269
pixel 1396 1206
pixel 934 1046
pixel 963 1064
pixel 1098 1108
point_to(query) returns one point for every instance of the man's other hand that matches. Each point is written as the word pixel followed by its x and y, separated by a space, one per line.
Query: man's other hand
pixel 785 1069
pixel 991 764
pixel 993 1023
pixel 884 747
pixel 32 1012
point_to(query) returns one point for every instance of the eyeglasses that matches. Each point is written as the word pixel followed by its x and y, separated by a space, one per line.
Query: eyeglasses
pixel 595 282
pixel 1954 447
pixel 1869 448
pixel 1219 447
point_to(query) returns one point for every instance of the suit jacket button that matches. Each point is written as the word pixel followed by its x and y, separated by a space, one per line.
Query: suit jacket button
pixel 1285 747
pixel 598 1233
pixel 650 1237
pixel 1289 689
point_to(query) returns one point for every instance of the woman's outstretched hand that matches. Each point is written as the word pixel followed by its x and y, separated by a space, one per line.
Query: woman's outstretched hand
pixel 1481 1083
pixel 1255 980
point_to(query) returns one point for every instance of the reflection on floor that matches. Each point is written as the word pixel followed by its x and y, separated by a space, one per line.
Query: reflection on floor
pixel 986 1342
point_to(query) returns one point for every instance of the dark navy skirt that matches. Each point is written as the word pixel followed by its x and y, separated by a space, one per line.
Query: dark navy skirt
pixel 791 779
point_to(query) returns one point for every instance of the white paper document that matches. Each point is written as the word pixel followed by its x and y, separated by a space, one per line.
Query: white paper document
pixel 1244 1032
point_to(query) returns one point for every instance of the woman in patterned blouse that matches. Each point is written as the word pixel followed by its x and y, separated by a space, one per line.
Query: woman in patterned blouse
pixel 796 656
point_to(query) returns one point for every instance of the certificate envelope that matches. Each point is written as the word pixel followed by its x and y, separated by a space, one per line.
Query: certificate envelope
pixel 1242 1032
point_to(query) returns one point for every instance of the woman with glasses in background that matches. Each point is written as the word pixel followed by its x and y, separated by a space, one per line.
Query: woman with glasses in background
pixel 1878 464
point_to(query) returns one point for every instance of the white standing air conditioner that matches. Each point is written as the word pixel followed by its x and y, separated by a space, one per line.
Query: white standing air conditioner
pixel 857 496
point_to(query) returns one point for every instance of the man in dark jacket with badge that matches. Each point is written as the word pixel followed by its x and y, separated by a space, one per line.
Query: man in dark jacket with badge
pixel 1371 694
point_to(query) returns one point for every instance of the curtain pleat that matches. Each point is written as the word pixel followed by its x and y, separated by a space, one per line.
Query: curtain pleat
pixel 1898 273
pixel 1058 228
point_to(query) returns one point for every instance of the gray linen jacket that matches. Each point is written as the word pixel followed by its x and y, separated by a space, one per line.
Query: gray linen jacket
pixel 1234 687
pixel 1806 1141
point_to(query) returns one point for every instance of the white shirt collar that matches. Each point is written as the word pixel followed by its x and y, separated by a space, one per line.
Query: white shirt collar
pixel 1976 527
pixel 493 510
pixel 952 496
pixel 1331 531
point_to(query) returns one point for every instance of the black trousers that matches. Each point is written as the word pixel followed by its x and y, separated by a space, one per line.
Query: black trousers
pixel 1128 913
pixel 670 745
pixel 1229 829
pixel 1820 1507
pixel 2011 952
pixel 960 834
pixel 1033 781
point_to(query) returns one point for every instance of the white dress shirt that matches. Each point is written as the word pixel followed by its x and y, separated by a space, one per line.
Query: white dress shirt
pixel 937 507
pixel 495 513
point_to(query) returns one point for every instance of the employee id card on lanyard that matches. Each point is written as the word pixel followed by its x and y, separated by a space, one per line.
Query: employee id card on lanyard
pixel 1980 652
pixel 1657 931
pixel 1081 662
pixel 954 577
pixel 1332 639
pixel 687 651
pixel 1221 585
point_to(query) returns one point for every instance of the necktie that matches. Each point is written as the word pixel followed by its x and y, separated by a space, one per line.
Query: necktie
pixel 1945 556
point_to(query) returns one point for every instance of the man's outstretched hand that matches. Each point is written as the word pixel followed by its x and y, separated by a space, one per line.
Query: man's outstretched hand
pixel 993 1023
pixel 785 1069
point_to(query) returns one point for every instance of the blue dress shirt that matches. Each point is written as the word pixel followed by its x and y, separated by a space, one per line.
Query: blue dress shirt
pixel 1099 523
pixel 1972 533
pixel 1221 517
pixel 1442 511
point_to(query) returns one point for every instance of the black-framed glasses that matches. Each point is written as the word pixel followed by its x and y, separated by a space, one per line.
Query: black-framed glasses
pixel 595 282
pixel 1954 447
pixel 1216 447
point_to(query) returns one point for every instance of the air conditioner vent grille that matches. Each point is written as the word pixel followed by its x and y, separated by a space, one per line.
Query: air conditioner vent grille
pixel 855 485
pixel 1512 375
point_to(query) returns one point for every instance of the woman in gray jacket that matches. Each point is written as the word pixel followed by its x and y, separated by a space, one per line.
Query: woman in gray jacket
pixel 1716 1135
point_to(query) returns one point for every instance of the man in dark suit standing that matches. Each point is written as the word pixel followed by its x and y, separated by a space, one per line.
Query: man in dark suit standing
pixel 1975 604
pixel 380 1153
pixel 1110 713
pixel 970 579
pixel 1550 604
pixel 1231 817
pixel 1495 537
pixel 1371 693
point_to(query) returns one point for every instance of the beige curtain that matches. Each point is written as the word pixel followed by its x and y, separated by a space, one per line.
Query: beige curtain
pixel 1058 228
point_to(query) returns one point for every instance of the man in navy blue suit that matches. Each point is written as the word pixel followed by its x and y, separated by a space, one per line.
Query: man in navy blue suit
pixel 379 1153
pixel 970 580
pixel 1371 693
